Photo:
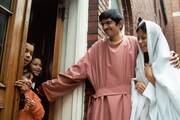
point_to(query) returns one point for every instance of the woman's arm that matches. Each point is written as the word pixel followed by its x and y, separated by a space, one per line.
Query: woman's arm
pixel 149 73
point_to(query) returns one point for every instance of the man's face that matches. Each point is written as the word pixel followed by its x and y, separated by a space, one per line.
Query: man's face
pixel 110 27
pixel 28 53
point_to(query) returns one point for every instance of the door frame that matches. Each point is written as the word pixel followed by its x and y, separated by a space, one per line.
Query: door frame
pixel 57 49
pixel 74 46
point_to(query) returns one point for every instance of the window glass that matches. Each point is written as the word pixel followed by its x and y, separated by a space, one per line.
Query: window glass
pixel 3 24
pixel 116 4
pixel 5 3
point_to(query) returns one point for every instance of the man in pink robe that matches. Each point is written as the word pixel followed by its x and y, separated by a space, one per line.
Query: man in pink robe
pixel 109 65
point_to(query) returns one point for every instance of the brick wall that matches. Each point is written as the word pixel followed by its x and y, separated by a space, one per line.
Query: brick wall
pixel 177 33
pixel 173 26
pixel 94 29
pixel 152 10
pixel 92 22
pixel 170 25
pixel 128 17
pixel 147 9
pixel 176 23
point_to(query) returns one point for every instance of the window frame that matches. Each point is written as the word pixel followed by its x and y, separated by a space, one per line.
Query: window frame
pixel 8 13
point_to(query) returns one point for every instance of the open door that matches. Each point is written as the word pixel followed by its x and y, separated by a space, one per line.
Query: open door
pixel 14 20
pixel 37 21
pixel 45 32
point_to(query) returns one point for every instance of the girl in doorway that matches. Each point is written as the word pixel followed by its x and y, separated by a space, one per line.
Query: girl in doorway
pixel 32 108
pixel 35 68
pixel 156 87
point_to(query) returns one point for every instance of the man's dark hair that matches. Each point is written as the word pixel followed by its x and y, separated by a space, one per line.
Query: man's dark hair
pixel 112 14
pixel 141 26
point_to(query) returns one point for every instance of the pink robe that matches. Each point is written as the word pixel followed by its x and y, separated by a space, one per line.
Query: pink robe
pixel 109 67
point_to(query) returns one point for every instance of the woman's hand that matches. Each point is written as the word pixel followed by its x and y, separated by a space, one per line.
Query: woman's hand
pixel 149 73
pixel 174 59
pixel 140 87
pixel 29 103
pixel 24 85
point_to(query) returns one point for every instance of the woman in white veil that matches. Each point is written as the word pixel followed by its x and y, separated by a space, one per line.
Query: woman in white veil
pixel 155 91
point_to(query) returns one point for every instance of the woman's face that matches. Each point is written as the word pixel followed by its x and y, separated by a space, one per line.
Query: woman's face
pixel 142 40
pixel 28 53
pixel 36 66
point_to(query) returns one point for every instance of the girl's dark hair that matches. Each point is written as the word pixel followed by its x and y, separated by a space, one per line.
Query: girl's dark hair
pixel 111 13
pixel 146 57
pixel 141 26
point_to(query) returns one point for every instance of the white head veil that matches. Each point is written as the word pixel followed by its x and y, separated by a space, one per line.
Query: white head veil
pixel 140 101
pixel 167 87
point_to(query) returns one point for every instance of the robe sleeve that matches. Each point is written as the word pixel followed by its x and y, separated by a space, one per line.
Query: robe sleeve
pixel 73 77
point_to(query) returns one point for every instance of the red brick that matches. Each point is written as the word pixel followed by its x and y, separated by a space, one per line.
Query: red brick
pixel 92 24
pixel 93 7
pixel 93 19
pixel 93 13
pixel 92 37
pixel 93 1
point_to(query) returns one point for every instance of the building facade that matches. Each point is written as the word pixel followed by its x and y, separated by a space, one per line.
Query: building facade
pixel 62 30
pixel 59 33
pixel 173 27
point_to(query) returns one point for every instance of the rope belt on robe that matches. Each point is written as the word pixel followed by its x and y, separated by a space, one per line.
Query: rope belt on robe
pixel 122 90
pixel 119 90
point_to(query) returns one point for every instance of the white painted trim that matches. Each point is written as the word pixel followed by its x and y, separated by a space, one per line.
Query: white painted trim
pixel 116 4
pixel 81 47
pixel 120 7
pixel 74 45
pixel 176 14
pixel 110 3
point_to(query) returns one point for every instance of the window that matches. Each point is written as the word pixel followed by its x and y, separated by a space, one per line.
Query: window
pixel 4 15
pixel 5 3
pixel 155 8
pixel 116 4
pixel 163 9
